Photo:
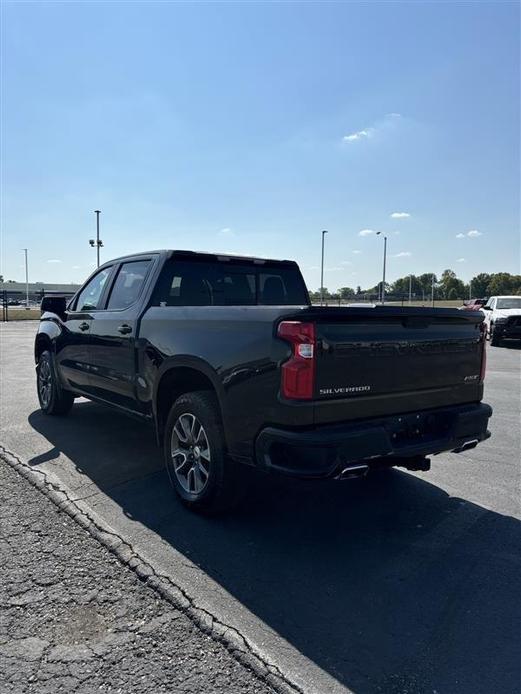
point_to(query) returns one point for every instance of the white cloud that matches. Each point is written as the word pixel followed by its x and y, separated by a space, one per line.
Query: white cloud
pixel 400 215
pixel 387 122
pixel 359 135
pixel 54 260
pixel 356 252
pixel 461 260
pixel 366 232
pixel 472 234
pixel 226 232
pixel 76 267
pixel 346 262
pixel 402 254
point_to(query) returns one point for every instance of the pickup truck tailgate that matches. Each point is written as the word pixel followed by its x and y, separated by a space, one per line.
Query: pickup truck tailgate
pixel 389 356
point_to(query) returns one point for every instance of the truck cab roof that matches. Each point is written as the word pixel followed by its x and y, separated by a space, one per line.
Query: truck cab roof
pixel 202 255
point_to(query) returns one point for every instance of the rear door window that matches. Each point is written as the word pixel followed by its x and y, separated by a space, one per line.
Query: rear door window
pixel 128 284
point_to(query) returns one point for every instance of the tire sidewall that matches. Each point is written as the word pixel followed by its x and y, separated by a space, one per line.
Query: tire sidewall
pixel 495 341
pixel 203 406
pixel 46 356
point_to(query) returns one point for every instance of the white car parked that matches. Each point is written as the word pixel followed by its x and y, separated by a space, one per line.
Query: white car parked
pixel 503 318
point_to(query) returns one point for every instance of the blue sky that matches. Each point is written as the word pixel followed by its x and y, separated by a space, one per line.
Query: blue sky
pixel 251 127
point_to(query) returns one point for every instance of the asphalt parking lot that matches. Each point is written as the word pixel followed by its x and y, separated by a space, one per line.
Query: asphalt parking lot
pixel 403 582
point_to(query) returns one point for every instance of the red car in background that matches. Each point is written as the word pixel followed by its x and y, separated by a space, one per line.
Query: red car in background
pixel 473 304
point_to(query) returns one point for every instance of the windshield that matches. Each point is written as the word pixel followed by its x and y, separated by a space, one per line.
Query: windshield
pixel 509 303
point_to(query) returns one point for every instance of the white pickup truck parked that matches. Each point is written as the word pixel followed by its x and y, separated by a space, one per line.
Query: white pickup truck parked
pixel 503 318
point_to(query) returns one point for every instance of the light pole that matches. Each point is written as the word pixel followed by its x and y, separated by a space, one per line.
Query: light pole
pixel 322 270
pixel 98 242
pixel 382 299
pixel 26 279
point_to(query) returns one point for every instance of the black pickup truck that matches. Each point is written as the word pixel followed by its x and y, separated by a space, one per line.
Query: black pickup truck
pixel 230 362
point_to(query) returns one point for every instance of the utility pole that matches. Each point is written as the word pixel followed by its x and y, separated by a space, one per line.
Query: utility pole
pixel 98 242
pixel 26 279
pixel 410 288
pixel 322 270
pixel 382 295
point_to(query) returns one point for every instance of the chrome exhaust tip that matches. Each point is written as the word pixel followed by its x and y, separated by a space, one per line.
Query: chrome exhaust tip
pixel 466 446
pixel 353 471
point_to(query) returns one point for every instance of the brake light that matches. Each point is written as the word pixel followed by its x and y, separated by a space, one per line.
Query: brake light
pixel 298 373
pixel 483 328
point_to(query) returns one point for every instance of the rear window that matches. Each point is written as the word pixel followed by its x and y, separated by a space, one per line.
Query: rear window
pixel 229 283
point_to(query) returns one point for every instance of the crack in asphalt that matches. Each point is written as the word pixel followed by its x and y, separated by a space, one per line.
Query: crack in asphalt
pixel 235 643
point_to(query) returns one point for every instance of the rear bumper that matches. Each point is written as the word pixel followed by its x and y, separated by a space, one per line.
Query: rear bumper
pixel 324 451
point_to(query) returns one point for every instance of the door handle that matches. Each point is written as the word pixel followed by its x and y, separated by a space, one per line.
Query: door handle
pixel 124 329
pixel 83 326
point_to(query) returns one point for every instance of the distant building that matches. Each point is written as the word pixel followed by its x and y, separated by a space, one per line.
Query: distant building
pixel 37 287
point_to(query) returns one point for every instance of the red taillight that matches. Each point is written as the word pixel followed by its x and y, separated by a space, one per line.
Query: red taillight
pixel 298 373
pixel 483 328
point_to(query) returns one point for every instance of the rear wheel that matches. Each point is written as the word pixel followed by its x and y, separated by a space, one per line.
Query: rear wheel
pixel 195 454
pixel 54 400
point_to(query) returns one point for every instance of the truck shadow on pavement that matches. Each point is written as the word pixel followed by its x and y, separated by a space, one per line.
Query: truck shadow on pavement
pixel 387 583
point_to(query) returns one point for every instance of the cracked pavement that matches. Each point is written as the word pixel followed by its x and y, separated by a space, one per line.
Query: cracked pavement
pixel 75 620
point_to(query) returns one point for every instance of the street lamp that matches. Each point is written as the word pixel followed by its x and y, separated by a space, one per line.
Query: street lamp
pixel 382 299
pixel 26 279
pixel 98 242
pixel 322 270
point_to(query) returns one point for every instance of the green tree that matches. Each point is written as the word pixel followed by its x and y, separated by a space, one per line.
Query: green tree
pixel 451 286
pixel 402 284
pixel 346 292
pixel 504 283
pixel 479 285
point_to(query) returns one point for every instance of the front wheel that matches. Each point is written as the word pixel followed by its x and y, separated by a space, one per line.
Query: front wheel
pixel 54 400
pixel 495 340
pixel 195 454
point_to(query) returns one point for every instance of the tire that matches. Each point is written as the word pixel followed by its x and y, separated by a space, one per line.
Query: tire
pixel 54 400
pixel 195 454
pixel 494 340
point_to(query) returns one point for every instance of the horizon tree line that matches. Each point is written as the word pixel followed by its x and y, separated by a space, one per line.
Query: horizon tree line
pixel 447 287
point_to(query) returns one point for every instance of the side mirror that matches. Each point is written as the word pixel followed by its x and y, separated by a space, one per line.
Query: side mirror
pixel 486 308
pixel 54 304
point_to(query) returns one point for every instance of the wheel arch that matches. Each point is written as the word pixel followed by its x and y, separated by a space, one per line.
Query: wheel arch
pixel 177 379
pixel 42 342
